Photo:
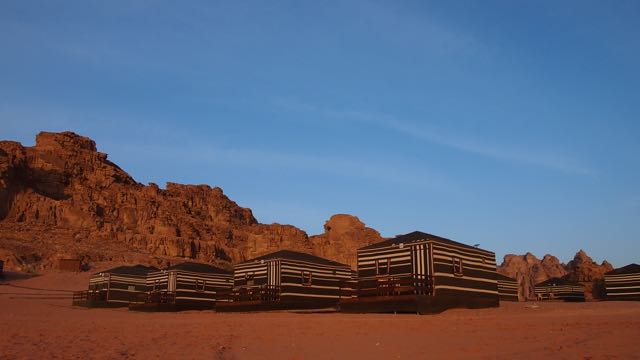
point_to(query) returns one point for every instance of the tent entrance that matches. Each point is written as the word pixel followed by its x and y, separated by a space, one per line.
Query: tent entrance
pixel 273 273
pixel 421 260
pixel 171 282
pixel 421 268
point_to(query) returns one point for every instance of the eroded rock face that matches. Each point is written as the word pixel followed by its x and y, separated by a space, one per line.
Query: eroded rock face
pixel 343 235
pixel 529 270
pixel 63 198
pixel 584 270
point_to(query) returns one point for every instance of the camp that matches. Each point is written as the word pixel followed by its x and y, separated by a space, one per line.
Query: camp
pixel 560 289
pixel 423 273
pixel 623 283
pixel 288 280
pixel 114 287
pixel 185 286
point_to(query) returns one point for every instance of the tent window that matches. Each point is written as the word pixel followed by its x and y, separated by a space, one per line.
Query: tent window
pixel 201 285
pixel 457 266
pixel 306 277
pixel 249 279
pixel 131 287
pixel 383 266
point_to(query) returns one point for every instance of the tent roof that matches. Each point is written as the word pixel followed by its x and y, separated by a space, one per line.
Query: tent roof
pixel 416 236
pixel 558 281
pixel 199 268
pixel 131 270
pixel 504 277
pixel 294 255
pixel 629 269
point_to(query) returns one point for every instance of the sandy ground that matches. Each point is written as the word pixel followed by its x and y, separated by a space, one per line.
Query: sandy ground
pixel 40 324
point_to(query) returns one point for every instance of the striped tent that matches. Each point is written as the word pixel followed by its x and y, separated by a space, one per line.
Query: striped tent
pixel 623 283
pixel 185 286
pixel 115 287
pixel 559 289
pixel 288 280
pixel 352 285
pixel 507 288
pixel 424 273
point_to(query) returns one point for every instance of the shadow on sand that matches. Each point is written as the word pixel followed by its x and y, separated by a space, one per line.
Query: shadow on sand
pixel 9 276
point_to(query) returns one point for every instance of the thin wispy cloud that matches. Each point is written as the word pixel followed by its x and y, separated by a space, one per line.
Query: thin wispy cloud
pixel 550 161
pixel 434 135
pixel 262 159
pixel 200 151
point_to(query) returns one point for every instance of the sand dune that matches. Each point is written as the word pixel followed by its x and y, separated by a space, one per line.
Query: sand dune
pixel 38 322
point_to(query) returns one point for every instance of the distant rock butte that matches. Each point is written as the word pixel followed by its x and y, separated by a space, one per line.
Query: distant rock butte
pixel 584 270
pixel 343 235
pixel 63 198
pixel 529 270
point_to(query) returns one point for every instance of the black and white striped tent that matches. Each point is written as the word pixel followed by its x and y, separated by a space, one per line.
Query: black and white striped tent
pixel 115 287
pixel 507 288
pixel 623 283
pixel 424 273
pixel 559 289
pixel 184 286
pixel 288 280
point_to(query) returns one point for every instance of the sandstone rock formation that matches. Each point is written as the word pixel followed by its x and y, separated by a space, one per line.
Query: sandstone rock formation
pixel 584 270
pixel 343 235
pixel 63 198
pixel 529 270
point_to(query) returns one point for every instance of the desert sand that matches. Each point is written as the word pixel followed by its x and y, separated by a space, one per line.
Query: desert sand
pixel 37 322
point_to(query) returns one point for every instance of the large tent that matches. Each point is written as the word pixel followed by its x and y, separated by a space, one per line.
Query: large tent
pixel 424 273
pixel 185 286
pixel 560 289
pixel 623 283
pixel 507 288
pixel 288 280
pixel 115 287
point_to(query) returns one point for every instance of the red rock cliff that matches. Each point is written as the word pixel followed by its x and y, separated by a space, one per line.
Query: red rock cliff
pixel 63 198
pixel 343 235
pixel 529 270
pixel 584 270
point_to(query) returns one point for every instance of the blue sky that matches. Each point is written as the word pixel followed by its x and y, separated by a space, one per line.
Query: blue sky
pixel 510 124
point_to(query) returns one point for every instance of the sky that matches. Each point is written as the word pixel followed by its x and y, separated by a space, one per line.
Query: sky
pixel 510 124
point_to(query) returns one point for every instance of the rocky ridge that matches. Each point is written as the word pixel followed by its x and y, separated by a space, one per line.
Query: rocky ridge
pixel 528 270
pixel 63 198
